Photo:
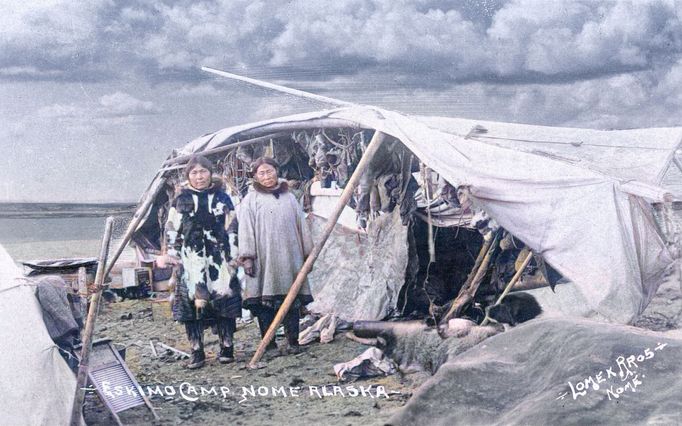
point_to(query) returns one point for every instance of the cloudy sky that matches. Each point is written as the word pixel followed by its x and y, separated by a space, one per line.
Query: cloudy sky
pixel 94 95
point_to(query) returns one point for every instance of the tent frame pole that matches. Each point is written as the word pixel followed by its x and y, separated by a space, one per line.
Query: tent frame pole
pixel 511 284
pixel 185 158
pixel 469 289
pixel 81 381
pixel 135 221
pixel 352 184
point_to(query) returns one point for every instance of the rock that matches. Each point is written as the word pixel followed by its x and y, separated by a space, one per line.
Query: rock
pixel 353 413
pixel 296 381
pixel 127 316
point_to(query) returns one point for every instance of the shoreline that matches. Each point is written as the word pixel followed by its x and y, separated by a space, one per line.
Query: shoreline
pixel 23 210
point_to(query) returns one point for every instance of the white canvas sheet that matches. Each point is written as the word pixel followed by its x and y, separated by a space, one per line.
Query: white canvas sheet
pixel 590 223
pixel 640 154
pixel 36 385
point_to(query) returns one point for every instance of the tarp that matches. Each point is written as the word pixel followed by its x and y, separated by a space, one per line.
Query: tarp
pixel 36 385
pixel 358 276
pixel 556 371
pixel 593 226
pixel 640 154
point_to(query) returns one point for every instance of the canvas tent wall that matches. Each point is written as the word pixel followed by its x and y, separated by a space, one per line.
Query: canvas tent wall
pixel 36 385
pixel 594 227
pixel 644 155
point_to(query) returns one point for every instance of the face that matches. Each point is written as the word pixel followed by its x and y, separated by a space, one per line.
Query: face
pixel 266 175
pixel 200 177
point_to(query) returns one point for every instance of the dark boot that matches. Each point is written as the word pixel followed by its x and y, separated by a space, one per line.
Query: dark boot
pixel 291 329
pixel 226 355
pixel 195 335
pixel 226 328
pixel 197 361
pixel 265 316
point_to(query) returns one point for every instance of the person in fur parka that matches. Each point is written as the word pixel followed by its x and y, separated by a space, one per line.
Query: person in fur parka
pixel 208 292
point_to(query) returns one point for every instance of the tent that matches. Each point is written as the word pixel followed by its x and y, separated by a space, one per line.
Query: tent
pixel 36 385
pixel 580 198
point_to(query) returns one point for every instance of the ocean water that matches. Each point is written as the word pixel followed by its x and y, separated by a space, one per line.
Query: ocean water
pixel 73 234
pixel 52 238
pixel 31 231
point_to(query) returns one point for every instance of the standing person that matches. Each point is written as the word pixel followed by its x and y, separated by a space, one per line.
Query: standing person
pixel 208 292
pixel 274 241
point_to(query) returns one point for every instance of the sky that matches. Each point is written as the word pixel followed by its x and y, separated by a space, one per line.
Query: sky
pixel 94 95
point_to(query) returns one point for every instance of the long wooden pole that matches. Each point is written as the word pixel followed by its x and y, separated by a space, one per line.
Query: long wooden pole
pixel 83 292
pixel 278 88
pixel 82 379
pixel 511 284
pixel 134 222
pixel 470 277
pixel 466 294
pixel 186 158
pixel 372 148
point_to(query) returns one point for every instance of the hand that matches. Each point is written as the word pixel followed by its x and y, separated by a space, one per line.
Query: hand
pixel 200 303
pixel 167 260
pixel 249 268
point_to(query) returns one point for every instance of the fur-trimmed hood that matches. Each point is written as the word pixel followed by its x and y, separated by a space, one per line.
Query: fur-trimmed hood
pixel 281 188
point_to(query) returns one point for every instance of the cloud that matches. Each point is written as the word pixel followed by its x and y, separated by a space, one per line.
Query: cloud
pixel 124 104
pixel 267 109
pixel 638 99
pixel 45 40
pixel 468 41
pixel 550 62
pixel 29 73
pixel 111 110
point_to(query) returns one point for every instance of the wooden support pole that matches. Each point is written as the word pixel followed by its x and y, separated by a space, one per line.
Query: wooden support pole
pixel 186 158
pixel 352 184
pixel 477 264
pixel 528 283
pixel 278 88
pixel 427 194
pixel 82 378
pixel 135 221
pixel 511 284
pixel 83 291
pixel 467 292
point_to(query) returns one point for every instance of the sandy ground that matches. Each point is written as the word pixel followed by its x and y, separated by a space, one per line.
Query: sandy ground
pixel 310 371
pixel 133 323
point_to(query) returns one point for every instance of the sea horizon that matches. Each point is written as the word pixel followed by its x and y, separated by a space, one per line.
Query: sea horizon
pixel 34 210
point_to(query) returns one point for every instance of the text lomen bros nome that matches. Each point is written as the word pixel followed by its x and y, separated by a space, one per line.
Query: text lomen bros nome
pixel 624 373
